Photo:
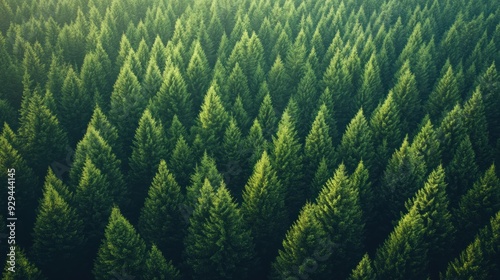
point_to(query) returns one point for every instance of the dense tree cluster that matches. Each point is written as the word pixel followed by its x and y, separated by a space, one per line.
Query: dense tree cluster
pixel 218 139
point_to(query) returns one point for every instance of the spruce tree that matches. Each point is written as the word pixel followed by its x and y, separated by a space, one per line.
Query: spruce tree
pixel 489 83
pixel 340 214
pixel 371 89
pixel 444 96
pixel 157 268
pixel 181 162
pixel 25 269
pixel 286 157
pixel 451 132
pixel 57 236
pixel 277 85
pixel 255 143
pixel 426 145
pixel 267 117
pixel 306 249
pixel 207 169
pixel 122 250
pixel 147 151
pixel 99 121
pixel 357 143
pixel 407 97
pixel 263 210
pixel 161 220
pixel 219 245
pixel 364 270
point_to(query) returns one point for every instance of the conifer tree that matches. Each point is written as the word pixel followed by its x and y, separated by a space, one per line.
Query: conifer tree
pixel 127 105
pixel 99 122
pixel 306 95
pixel 426 145
pixel 364 270
pixel 287 159
pixel 339 212
pixel 219 245
pixel 172 99
pixel 357 143
pixel 406 97
pixel 263 210
pixel 210 124
pixel 147 151
pixel 57 236
pixel 306 248
pixel 24 269
pixel 318 144
pixel 152 79
pixel 462 171
pixel 94 147
pixel 240 114
pixel 57 184
pixel 233 157
pixel 477 128
pixel 207 169
pixel 122 250
pixel 40 136
pixel 161 221
pixel 236 85
pixel 489 83
pixel 181 161
pixel 469 264
pixel 444 96
pixel 451 132
pixel 277 85
pixel 402 255
pixel 157 267
pixel 174 132
pixel 267 117
pixel 477 205
pixel 255 143
pixel 431 202
pixel 371 89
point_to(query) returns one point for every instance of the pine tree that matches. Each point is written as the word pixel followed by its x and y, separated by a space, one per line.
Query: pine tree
pixel 489 83
pixel 153 79
pixel 240 114
pixel 24 270
pixel 477 205
pixel 371 89
pixel 122 250
pixel 277 85
pixel 339 212
pixel 157 267
pixel 219 246
pixel 402 255
pixel 462 171
pixel 147 151
pixel 206 170
pixel 181 161
pixel 94 147
pixel 306 95
pixel 267 117
pixel 107 131
pixel 51 180
pixel 172 99
pixel 286 157
pixel 57 236
pixel 263 210
pixel 431 202
pixel 357 143
pixel 477 128
pixel 426 145
pixel 318 144
pixel 306 248
pixel 364 270
pixel 236 85
pixel 407 97
pixel 444 96
pixel 232 158
pixel 161 221
pixel 127 105
pixel 40 136
pixel 210 124
pixel 451 132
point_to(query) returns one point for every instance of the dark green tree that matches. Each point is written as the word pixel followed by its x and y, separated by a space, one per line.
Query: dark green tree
pixel 426 145
pixel 451 132
pixel 233 158
pixel 161 221
pixel 364 270
pixel 407 97
pixel 267 117
pixel 489 83
pixel 157 267
pixel 207 169
pixel 444 96
pixel 107 131
pixel 181 162
pixel 122 250
pixel 277 83
pixel 371 90
pixel 57 235
pixel 25 270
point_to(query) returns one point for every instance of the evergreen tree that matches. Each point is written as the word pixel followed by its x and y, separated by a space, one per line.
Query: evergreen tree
pixel 181 161
pixel 24 270
pixel 122 249
pixel 364 270
pixel 152 79
pixel 278 85
pixel 106 130
pixel 431 202
pixel 233 157
pixel 371 89
pixel 127 105
pixel 451 132
pixel 469 264
pixel 206 170
pixel 147 151
pixel 287 157
pixel 339 212
pixel 40 136
pixel 402 255
pixel 172 99
pixel 255 143
pixel 94 147
pixel 489 83
pixel 57 236
pixel 263 210
pixel 267 117
pixel 406 97
pixel 444 96
pixel 157 268
pixel 306 248
pixel 219 245
pixel 426 145
pixel 462 171
pixel 357 143
pixel 306 95
pixel 51 180
pixel 161 220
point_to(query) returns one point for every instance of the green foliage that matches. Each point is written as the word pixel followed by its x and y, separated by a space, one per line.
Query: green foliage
pixel 206 170
pixel 371 89
pixel 157 268
pixel 25 270
pixel 267 117
pixel 181 161
pixel 364 270
pixel 426 145
pixel 444 96
pixel 161 221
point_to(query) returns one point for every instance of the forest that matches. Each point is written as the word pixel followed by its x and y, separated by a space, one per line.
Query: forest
pixel 249 139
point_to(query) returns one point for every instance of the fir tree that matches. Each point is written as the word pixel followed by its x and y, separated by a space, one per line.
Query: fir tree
pixel 25 270
pixel 206 170
pixel 255 143
pixel 122 249
pixel 57 236
pixel 444 96
pixel 364 270
pixel 161 221
pixel 426 145
pixel 232 158
pixel 371 89
pixel 277 85
pixel 107 131
pixel 157 267
pixel 181 161
pixel 307 94
pixel 267 117
pixel 263 210
pixel 406 97
pixel 489 83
